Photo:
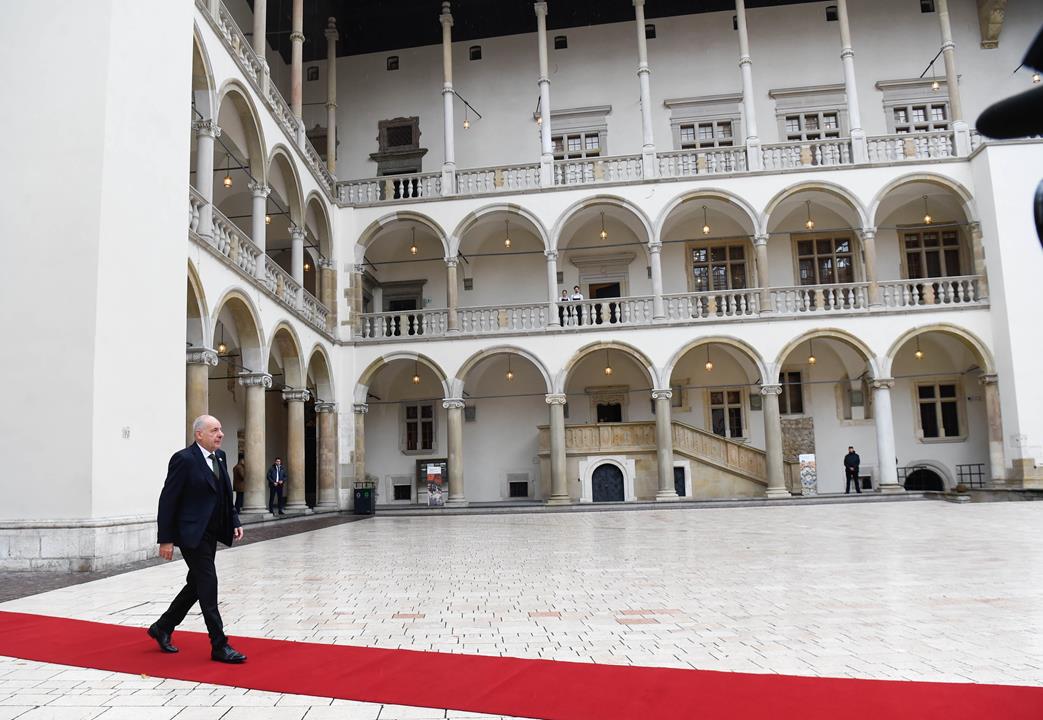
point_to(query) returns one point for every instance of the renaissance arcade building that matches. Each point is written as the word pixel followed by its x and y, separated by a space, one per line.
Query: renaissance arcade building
pixel 546 254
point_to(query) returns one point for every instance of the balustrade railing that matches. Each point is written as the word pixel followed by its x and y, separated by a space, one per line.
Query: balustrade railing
pixel 806 153
pixel 391 187
pixel 587 171
pixel 282 283
pixel 608 311
pixel 713 304
pixel 234 244
pixel 976 140
pixel 842 297
pixel 406 323
pixel 711 161
pixel 911 146
pixel 509 318
pixel 497 179
pixel 930 291
pixel 313 310
pixel 195 204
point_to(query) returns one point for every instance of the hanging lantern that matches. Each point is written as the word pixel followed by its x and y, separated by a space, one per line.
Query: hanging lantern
pixel 227 182
pixel 221 347
pixel 608 364
pixel 706 225
pixel 416 373
pixel 709 362
pixel 510 374
pixel 412 246
pixel 809 224
pixel 267 219
pixel 604 233
pixel 927 219
pixel 919 353
pixel 811 353
pixel 507 233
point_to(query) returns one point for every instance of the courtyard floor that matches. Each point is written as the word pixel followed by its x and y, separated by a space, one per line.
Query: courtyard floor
pixel 926 591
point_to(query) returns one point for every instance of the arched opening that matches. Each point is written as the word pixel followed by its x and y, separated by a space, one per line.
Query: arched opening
pixel 239 161
pixel 319 381
pixel 285 212
pixel 922 479
pixel 285 418
pixel 317 244
pixel 607 483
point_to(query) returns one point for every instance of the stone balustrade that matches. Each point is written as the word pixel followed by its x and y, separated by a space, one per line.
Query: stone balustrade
pixel 712 305
pixel 819 298
pixel 911 146
pixel 615 311
pixel 588 171
pixel 706 161
pixel 195 203
pixel 404 324
pixel 509 318
pixel 931 292
pixel 510 178
pixel 806 153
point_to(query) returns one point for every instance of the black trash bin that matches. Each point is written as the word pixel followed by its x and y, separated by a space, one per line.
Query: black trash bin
pixel 364 498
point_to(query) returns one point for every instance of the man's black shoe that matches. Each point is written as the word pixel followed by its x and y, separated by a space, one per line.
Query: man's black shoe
pixel 226 654
pixel 162 638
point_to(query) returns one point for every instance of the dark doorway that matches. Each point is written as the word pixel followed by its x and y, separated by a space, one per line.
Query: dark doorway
pixel 311 455
pixel 607 484
pixel 403 325
pixel 679 481
pixel 610 413
pixel 922 479
pixel 605 312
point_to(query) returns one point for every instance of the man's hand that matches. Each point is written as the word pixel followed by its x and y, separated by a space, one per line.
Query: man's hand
pixel 237 534
pixel 166 551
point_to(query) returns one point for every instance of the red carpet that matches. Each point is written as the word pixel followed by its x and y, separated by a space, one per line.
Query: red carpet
pixel 507 686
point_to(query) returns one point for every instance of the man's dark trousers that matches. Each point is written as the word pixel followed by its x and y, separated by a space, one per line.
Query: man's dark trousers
pixel 201 586
pixel 852 477
pixel 275 498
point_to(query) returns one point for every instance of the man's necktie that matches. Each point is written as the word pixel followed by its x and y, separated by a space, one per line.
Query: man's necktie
pixel 213 466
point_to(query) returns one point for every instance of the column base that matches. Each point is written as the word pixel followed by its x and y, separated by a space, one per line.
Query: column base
pixel 456 502
pixel 891 489
pixel 559 500
pixel 298 509
pixel 777 493
pixel 667 496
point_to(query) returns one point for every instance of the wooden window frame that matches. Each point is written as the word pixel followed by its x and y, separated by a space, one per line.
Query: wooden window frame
pixel 904 230
pixel 784 400
pixel 741 405
pixel 815 237
pixel 726 243
pixel 961 411
pixel 404 427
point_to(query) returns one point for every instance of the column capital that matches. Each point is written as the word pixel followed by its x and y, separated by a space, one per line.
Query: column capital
pixel 331 29
pixel 662 394
pixel 867 233
pixel 297 233
pixel 446 16
pixel 255 379
pixel 988 379
pixel 453 404
pixel 296 36
pixel 882 383
pixel 655 247
pixel 556 398
pixel 760 239
pixel 639 3
pixel 359 268
pixel 209 128
pixel 360 408
pixel 745 60
pixel 771 389
pixel 201 356
pixel 325 263
pixel 325 407
pixel 846 52
pixel 975 227
pixel 293 395
pixel 452 262
pixel 259 189
pixel 552 255
pixel 540 7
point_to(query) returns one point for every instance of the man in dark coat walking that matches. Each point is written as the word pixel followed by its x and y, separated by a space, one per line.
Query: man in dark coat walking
pixel 196 511
pixel 851 463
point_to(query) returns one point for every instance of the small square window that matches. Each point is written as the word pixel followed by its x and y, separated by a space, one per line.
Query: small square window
pixel 518 489
pixel 470 413
pixel 559 277
pixel 468 283
pixel 649 31
pixel 831 13
pixel 792 123
pixel 687 133
pixel 561 42
pixel 403 492
pixel 927 6
pixel 392 62
pixel 313 73
pixel 475 52
pixel 735 22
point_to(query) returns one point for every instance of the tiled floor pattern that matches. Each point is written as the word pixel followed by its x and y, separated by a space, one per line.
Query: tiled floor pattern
pixel 914 591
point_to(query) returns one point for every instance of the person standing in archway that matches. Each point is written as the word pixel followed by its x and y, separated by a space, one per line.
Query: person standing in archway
pixel 851 463
pixel 196 511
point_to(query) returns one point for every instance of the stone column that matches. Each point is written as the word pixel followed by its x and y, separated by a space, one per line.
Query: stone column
pixel 326 490
pixel 658 309
pixel 296 57
pixel 256 462
pixel 559 484
pixel 328 273
pixel 775 467
pixel 961 130
pixel 552 288
pixel 760 248
pixel 452 294
pixel 295 400
pixel 859 148
pixel 997 476
pixel 887 460
pixel 547 149
pixel 455 415
pixel 449 163
pixel 749 119
pixel 358 461
pixel 978 254
pixel 332 36
pixel 257 232
pixel 206 131
pixel 259 39
pixel 664 443
pixel 297 254
pixel 643 77
pixel 198 361
pixel 868 237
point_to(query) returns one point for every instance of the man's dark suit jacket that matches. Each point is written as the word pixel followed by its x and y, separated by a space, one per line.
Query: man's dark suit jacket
pixel 276 472
pixel 189 496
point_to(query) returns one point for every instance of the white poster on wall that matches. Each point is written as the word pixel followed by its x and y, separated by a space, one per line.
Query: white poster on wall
pixel 808 475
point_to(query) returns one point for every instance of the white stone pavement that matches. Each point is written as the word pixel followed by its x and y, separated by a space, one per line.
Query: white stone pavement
pixel 914 591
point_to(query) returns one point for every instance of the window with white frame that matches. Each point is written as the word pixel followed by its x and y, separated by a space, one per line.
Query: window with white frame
pixel 933 117
pixel 791 401
pixel 571 146
pixel 810 113
pixel 824 259
pixel 912 106
pixel 418 427
pixel 709 134
pixel 727 418
pixel 580 132
pixel 720 266
pixel 932 253
pixel 812 125
pixel 713 121
pixel 939 415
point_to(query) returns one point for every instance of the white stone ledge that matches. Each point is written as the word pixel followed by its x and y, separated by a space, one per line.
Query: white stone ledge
pixel 76 545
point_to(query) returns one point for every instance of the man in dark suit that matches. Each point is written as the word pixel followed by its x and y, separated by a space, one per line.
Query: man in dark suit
pixel 851 463
pixel 277 487
pixel 195 511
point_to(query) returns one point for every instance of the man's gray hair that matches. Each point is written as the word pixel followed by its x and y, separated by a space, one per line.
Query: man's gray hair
pixel 200 423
